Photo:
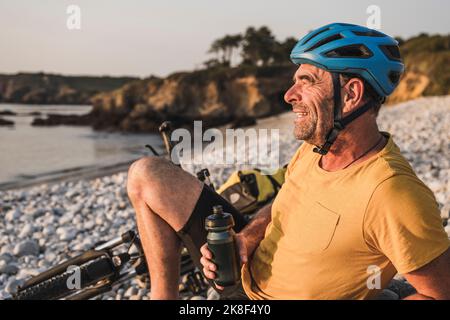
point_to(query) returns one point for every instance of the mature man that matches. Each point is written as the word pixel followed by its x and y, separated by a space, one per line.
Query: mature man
pixel 351 203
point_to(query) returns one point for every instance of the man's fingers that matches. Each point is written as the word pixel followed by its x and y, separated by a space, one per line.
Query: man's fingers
pixel 244 258
pixel 209 274
pixel 243 254
pixel 205 251
pixel 204 262
pixel 207 264
pixel 219 287
pixel 242 250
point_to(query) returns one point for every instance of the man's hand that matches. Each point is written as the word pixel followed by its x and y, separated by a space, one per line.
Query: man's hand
pixel 247 241
pixel 209 267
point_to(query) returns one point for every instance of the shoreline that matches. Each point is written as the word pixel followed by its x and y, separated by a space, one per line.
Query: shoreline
pixel 68 175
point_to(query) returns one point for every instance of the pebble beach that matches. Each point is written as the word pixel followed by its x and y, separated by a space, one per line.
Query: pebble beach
pixel 43 225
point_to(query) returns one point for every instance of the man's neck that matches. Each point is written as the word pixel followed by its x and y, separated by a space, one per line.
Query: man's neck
pixel 352 147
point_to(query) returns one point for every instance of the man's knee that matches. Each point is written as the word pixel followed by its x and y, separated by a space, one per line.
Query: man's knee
pixel 146 165
pixel 168 190
pixel 145 169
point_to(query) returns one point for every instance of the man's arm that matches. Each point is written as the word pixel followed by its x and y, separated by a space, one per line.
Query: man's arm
pixel 254 232
pixel 403 222
pixel 431 281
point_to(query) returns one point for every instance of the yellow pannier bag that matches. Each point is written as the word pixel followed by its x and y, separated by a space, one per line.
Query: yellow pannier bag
pixel 249 190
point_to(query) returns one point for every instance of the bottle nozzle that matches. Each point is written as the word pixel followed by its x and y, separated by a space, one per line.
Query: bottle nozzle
pixel 218 210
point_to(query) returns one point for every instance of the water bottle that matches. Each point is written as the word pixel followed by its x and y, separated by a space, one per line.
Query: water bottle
pixel 223 247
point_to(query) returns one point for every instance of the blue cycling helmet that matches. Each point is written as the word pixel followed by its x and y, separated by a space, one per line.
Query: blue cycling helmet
pixel 351 49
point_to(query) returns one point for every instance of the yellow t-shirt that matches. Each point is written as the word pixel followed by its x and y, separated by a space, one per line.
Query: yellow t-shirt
pixel 330 231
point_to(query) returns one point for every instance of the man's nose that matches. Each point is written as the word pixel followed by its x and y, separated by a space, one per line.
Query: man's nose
pixel 292 96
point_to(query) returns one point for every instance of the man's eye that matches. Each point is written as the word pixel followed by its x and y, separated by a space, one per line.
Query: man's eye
pixel 305 79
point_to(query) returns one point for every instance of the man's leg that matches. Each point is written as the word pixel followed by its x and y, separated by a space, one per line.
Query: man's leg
pixel 163 196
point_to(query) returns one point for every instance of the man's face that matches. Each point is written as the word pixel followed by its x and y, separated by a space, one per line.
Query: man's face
pixel 311 97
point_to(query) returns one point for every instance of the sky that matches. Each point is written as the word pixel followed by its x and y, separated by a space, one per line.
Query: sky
pixel 159 37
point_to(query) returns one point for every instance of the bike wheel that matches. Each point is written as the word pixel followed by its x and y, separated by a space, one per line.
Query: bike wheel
pixel 57 287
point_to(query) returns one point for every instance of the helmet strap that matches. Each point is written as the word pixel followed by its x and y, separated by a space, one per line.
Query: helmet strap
pixel 339 123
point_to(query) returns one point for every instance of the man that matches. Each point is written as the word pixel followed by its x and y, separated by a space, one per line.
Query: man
pixel 351 203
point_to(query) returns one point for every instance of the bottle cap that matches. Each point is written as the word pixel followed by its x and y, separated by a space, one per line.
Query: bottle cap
pixel 219 219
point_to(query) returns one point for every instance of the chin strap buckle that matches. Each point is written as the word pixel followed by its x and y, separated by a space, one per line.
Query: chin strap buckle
pixel 331 137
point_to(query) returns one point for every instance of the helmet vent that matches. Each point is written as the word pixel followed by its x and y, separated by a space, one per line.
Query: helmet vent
pixel 324 41
pixel 370 33
pixel 314 35
pixel 352 51
pixel 394 77
pixel 392 52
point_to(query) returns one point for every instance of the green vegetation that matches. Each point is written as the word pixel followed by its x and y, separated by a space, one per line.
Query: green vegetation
pixel 257 47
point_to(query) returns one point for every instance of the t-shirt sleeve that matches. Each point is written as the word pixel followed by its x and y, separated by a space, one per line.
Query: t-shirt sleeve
pixel 403 222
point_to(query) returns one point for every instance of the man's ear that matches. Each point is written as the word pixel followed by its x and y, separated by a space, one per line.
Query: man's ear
pixel 353 94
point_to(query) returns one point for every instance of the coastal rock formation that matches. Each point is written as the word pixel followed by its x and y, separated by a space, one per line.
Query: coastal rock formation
pixel 4 122
pixel 216 97
pixel 58 119
pixel 7 113
pixel 41 88
pixel 427 60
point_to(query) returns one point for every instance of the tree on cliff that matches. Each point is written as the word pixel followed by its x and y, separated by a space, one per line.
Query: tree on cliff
pixel 224 48
pixel 258 46
pixel 283 51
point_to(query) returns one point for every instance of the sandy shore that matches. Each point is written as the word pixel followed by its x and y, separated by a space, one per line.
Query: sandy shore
pixel 44 224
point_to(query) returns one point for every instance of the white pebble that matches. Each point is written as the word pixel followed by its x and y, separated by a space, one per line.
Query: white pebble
pixel 27 247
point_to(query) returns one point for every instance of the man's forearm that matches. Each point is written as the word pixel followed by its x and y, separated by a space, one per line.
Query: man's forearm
pixel 254 231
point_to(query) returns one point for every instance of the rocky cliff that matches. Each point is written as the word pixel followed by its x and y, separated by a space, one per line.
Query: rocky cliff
pixel 427 60
pixel 40 88
pixel 215 96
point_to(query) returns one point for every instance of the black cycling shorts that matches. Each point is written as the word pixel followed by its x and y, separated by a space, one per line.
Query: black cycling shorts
pixel 193 234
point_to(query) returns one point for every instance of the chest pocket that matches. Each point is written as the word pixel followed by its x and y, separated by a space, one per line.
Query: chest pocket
pixel 313 231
